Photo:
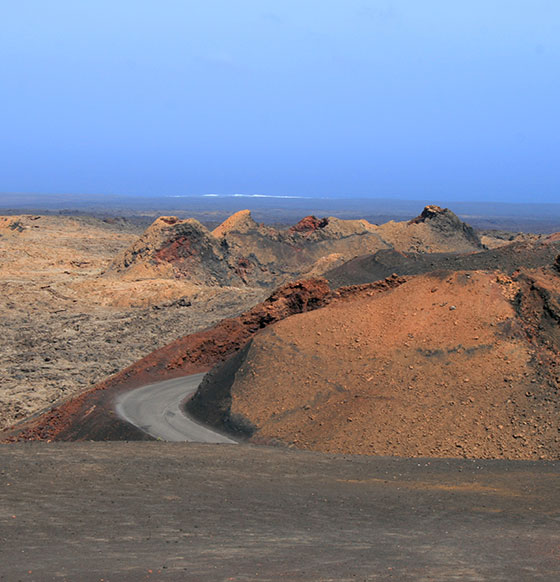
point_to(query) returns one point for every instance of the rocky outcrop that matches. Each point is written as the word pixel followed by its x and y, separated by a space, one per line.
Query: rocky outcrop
pixel 241 222
pixel 242 252
pixel 180 249
pixel 309 224
pixel 430 212
pixel 447 223
pixel 435 230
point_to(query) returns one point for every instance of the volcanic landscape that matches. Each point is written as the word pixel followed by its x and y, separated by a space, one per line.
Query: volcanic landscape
pixel 375 353
pixel 411 338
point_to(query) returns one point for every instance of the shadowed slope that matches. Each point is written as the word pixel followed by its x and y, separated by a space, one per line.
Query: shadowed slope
pixel 508 258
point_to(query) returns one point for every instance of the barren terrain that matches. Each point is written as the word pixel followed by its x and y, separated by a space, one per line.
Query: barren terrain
pixel 447 364
pixel 175 512
pixel 242 252
pixel 64 327
pixel 83 298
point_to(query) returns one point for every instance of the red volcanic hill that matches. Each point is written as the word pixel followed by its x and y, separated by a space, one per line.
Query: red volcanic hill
pixel 441 364
pixel 242 252
pixel 445 364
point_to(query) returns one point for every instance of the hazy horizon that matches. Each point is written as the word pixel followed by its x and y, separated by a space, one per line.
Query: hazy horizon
pixel 392 99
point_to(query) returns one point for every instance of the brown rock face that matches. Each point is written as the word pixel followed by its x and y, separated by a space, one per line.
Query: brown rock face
pixel 447 224
pixel 429 212
pixel 241 221
pixel 453 365
pixel 179 249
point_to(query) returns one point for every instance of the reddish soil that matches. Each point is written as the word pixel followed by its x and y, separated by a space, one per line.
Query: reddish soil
pixel 180 248
pixel 446 364
pixel 441 364
pixel 90 416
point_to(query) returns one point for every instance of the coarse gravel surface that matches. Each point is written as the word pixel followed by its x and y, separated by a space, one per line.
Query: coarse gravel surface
pixel 173 511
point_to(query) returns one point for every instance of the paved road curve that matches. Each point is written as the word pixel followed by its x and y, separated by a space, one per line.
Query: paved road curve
pixel 156 409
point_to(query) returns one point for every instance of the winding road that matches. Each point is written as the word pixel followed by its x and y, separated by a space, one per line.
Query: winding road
pixel 156 409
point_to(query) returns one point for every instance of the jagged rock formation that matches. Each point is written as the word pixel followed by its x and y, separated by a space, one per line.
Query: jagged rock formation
pixel 435 230
pixel 309 224
pixel 241 251
pixel 173 248
pixel 240 222
pixel 446 223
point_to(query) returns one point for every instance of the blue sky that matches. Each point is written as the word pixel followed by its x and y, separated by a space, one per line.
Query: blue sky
pixel 409 99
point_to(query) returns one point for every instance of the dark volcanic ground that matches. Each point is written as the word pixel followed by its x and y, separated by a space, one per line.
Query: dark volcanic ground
pixel 160 511
pixel 384 263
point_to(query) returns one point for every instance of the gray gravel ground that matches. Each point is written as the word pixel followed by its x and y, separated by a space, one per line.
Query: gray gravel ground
pixel 174 511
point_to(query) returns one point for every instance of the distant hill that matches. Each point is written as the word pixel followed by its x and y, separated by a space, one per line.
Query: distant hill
pixel 241 251
pixel 211 210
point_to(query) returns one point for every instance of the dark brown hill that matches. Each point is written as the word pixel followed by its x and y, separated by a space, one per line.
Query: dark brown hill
pixel 447 224
pixel 176 249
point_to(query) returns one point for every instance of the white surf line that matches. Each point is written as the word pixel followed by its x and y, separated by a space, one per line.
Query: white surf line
pixel 156 409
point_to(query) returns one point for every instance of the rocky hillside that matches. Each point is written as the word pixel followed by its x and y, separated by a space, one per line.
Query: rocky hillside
pixel 242 252
pixel 84 297
pixel 90 415
pixel 172 248
pixel 446 364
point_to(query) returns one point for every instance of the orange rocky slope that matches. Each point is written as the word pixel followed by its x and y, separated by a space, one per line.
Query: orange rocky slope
pixel 445 364
pixel 64 327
